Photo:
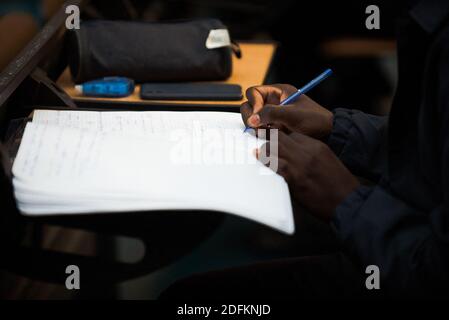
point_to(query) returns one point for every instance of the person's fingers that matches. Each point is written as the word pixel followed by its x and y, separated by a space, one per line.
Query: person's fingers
pixel 301 138
pixel 267 150
pixel 286 91
pixel 309 145
pixel 282 167
pixel 246 111
pixel 262 154
pixel 296 148
pixel 276 116
pixel 285 145
pixel 259 96
pixel 281 148
pixel 267 153
pixel 278 92
pixel 284 170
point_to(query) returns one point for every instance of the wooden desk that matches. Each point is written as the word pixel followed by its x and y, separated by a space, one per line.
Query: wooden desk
pixel 248 71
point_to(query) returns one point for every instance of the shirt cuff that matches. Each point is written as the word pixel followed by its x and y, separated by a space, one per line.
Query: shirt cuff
pixel 342 124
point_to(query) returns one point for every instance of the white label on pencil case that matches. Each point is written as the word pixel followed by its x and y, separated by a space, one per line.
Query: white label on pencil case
pixel 218 38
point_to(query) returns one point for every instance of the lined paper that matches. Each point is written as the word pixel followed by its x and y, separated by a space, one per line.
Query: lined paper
pixel 73 162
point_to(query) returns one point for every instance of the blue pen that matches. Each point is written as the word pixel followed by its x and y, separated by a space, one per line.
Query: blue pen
pixel 304 89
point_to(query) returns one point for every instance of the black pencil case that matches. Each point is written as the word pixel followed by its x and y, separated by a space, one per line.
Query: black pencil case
pixel 196 50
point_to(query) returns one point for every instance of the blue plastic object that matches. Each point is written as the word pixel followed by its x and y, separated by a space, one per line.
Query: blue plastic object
pixel 110 87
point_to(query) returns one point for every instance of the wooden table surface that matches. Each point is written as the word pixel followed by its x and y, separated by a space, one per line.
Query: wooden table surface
pixel 248 71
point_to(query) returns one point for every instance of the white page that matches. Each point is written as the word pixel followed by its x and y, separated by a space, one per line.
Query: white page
pixel 144 123
pixel 97 169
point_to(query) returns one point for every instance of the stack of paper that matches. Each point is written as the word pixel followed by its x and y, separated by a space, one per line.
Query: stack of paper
pixel 72 162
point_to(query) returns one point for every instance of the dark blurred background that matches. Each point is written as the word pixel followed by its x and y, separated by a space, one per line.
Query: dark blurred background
pixel 312 35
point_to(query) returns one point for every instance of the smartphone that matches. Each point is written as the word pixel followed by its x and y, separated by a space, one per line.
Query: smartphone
pixel 191 91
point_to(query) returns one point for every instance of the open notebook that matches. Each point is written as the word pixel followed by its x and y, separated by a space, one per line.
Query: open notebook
pixel 72 162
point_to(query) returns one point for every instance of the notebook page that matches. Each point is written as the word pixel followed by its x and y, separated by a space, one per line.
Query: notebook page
pixel 142 122
pixel 106 171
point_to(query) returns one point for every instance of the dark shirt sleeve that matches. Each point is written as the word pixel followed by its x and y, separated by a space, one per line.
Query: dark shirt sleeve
pixel 409 245
pixel 410 250
pixel 358 140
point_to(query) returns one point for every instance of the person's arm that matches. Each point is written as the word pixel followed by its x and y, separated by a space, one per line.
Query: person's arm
pixel 358 139
pixel 410 247
pixel 354 136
